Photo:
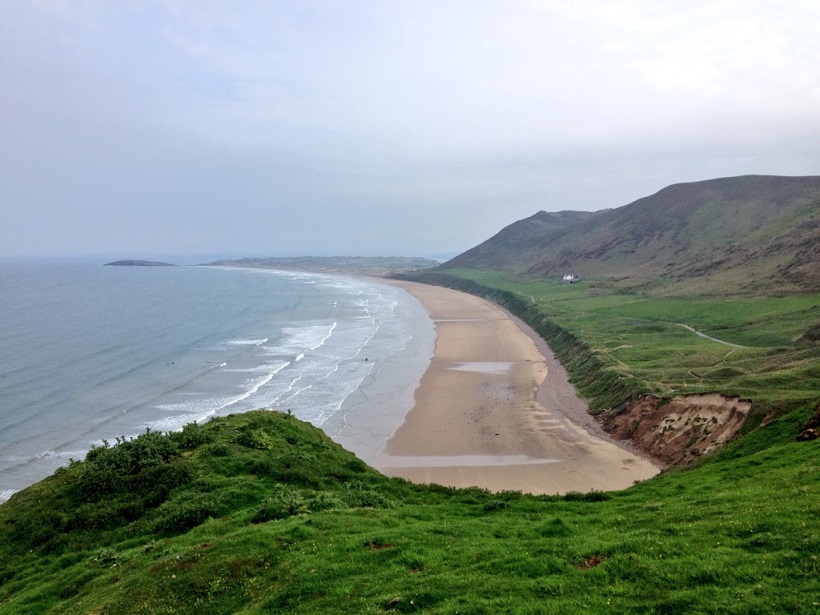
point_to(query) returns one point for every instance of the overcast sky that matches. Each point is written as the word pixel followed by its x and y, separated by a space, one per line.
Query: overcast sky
pixel 381 127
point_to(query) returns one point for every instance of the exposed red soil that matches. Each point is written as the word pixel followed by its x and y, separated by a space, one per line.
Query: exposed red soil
pixel 681 429
pixel 811 430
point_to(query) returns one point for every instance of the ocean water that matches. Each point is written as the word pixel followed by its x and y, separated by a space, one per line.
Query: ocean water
pixel 90 353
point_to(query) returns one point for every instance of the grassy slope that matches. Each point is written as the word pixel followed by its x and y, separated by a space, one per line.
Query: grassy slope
pixel 261 513
pixel 639 337
pixel 521 241
pixel 755 233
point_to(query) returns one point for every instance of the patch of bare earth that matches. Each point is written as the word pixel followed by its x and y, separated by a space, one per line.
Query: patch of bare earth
pixel 681 429
pixel 811 430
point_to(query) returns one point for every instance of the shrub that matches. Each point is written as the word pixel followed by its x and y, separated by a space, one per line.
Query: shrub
pixel 185 512
pixel 358 495
pixel 256 439
pixel 191 436
pixel 592 496
pixel 110 469
pixel 286 503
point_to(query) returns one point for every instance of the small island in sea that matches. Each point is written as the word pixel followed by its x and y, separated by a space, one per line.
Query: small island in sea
pixel 138 263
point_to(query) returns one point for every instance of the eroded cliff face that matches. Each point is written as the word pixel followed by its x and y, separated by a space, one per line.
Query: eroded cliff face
pixel 679 430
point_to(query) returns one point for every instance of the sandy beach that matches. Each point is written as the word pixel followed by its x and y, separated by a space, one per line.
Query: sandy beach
pixel 495 410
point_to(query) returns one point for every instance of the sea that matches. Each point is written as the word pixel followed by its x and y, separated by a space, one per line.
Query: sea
pixel 92 353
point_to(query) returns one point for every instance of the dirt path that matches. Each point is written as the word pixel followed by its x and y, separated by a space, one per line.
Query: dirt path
pixel 709 337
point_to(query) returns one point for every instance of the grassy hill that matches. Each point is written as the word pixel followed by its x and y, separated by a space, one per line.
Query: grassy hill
pixel 707 287
pixel 746 234
pixel 260 513
pixel 520 242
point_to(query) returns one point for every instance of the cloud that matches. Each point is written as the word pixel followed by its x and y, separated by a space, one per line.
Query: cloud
pixel 374 127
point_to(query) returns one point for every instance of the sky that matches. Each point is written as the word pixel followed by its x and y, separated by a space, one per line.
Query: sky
pixel 411 128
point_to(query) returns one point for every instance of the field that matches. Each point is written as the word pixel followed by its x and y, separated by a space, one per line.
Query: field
pixel 768 354
pixel 243 528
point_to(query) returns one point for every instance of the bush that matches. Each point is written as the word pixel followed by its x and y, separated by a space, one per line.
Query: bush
pixel 37 528
pixel 284 504
pixel 185 512
pixel 154 485
pixel 109 469
pixel 359 496
pixel 256 439
pixel 592 496
pixel 191 436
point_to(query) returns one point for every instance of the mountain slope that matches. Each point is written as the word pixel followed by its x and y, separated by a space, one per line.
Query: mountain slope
pixel 520 240
pixel 731 234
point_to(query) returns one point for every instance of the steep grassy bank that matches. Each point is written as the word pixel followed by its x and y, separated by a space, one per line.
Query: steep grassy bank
pixel 260 513
pixel 617 345
pixel 678 377
pixel 602 388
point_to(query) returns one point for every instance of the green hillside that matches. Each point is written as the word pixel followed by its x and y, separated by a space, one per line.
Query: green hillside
pixel 739 235
pixel 704 293
pixel 618 345
pixel 521 242
pixel 260 513
pixel 707 288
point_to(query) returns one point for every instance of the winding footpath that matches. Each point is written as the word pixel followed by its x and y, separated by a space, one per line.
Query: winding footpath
pixel 709 337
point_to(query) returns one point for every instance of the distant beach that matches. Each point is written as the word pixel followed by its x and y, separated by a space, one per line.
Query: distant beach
pixel 495 410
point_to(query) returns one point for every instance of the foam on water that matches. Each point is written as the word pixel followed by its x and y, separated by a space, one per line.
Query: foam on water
pixel 5 494
pixel 106 352
pixel 271 367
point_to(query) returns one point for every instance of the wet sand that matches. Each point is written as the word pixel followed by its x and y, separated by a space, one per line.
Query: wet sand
pixel 495 410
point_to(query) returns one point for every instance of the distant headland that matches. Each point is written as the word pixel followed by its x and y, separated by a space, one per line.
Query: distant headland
pixel 137 263
pixel 362 265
